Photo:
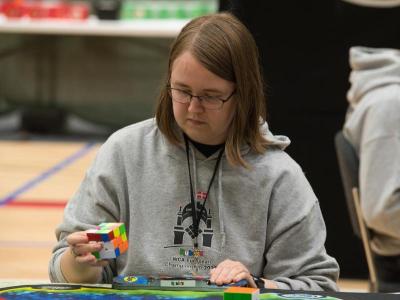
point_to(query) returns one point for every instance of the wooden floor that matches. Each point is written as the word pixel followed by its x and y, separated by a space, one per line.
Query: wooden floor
pixel 36 181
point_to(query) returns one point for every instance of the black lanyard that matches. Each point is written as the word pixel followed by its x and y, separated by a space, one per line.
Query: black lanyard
pixel 196 218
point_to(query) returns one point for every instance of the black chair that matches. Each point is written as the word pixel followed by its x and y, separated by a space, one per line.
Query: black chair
pixel 349 165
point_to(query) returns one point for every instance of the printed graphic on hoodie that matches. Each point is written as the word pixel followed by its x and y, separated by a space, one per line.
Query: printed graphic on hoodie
pixel 180 230
pixel 193 260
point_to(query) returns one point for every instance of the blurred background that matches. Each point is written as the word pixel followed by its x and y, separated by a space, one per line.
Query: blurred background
pixel 83 67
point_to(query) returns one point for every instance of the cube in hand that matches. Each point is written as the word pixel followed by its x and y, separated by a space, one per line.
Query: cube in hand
pixel 113 237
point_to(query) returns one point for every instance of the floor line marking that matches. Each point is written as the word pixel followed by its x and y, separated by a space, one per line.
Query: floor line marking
pixel 46 174
pixel 36 203
pixel 27 244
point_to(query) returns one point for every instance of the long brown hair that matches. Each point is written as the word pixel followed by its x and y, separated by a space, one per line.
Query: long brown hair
pixel 224 46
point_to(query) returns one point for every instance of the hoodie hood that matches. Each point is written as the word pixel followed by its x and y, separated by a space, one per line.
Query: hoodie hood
pixel 279 141
pixel 375 3
pixel 372 68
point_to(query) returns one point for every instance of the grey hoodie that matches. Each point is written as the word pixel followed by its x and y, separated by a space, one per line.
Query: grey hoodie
pixel 373 128
pixel 268 218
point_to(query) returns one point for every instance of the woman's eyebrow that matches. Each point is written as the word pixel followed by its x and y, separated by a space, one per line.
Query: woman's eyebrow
pixel 212 90
pixel 181 84
pixel 209 90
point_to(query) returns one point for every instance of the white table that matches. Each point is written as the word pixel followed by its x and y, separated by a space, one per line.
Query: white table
pixel 94 27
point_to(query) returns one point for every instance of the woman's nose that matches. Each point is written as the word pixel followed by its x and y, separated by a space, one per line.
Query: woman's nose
pixel 195 105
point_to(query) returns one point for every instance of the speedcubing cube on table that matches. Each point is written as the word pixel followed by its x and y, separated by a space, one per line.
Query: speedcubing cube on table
pixel 113 237
pixel 241 293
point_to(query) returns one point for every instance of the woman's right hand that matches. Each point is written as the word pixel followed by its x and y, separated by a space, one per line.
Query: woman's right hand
pixel 81 249
pixel 78 264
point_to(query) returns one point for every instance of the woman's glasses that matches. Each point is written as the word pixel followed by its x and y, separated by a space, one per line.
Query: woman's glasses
pixel 208 102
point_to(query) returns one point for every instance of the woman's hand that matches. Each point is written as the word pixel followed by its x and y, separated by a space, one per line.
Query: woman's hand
pixel 81 249
pixel 230 271
pixel 78 264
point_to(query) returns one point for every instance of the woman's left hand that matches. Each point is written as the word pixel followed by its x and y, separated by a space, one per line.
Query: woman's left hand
pixel 230 271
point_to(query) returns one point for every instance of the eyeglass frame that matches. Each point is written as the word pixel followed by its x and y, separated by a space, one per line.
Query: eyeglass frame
pixel 169 88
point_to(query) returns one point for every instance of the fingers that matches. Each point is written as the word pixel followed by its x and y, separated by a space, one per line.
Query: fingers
pixel 91 260
pixel 81 249
pixel 78 237
pixel 229 271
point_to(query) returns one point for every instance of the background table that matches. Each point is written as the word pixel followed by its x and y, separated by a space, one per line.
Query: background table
pixel 93 27
pixel 107 72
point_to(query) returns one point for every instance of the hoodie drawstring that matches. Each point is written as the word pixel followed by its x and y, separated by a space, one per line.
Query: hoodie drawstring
pixel 220 204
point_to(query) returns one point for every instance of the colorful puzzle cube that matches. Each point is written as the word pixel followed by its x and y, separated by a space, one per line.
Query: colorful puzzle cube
pixel 113 237
pixel 241 293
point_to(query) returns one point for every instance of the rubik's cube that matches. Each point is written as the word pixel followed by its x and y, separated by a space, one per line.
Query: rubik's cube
pixel 113 237
pixel 241 293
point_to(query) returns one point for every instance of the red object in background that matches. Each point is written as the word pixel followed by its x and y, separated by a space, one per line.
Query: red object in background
pixel 58 11
pixel 14 9
pixel 39 10
pixel 69 11
pixel 79 11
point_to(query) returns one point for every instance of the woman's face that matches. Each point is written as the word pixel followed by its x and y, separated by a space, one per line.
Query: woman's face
pixel 201 125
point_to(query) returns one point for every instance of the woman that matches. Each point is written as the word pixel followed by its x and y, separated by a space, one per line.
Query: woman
pixel 204 188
